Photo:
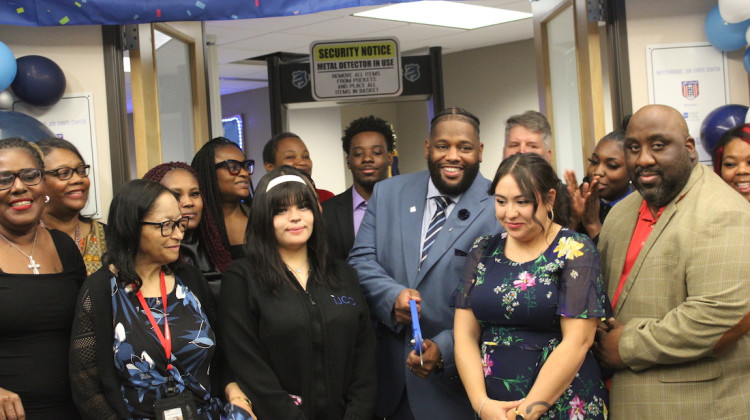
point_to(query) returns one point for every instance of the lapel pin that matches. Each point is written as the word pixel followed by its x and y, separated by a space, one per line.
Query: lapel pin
pixel 412 209
pixel 463 214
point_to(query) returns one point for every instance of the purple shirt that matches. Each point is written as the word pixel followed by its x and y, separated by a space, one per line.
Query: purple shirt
pixel 359 207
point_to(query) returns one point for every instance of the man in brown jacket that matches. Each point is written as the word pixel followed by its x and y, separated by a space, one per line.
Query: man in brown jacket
pixel 676 258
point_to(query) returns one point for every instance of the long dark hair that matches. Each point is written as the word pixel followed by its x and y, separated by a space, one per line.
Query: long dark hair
pixel 262 246
pixel 208 232
pixel 208 183
pixel 129 205
pixel 535 177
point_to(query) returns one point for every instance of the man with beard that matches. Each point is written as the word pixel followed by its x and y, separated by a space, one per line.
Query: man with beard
pixel 676 258
pixel 368 143
pixel 412 244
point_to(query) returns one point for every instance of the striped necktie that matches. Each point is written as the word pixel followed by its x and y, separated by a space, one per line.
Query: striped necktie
pixel 436 223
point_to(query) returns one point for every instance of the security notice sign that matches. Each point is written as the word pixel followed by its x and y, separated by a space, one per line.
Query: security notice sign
pixel 363 68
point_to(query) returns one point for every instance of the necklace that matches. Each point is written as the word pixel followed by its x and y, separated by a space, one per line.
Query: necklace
pixel 33 266
pixel 78 236
pixel 299 269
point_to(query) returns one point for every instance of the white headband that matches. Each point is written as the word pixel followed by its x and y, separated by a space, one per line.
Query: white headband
pixel 284 178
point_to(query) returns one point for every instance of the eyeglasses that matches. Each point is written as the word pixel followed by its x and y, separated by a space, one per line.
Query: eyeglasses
pixel 67 173
pixel 29 176
pixel 235 166
pixel 168 226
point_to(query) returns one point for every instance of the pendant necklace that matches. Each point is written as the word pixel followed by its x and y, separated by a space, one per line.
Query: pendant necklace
pixel 297 270
pixel 33 266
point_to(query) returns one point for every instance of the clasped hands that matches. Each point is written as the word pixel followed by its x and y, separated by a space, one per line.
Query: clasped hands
pixel 606 344
pixel 431 352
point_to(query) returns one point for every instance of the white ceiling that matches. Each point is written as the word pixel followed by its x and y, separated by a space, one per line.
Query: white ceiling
pixel 239 40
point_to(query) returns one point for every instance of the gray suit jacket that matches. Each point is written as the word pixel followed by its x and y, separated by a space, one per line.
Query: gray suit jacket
pixel 386 256
pixel 688 288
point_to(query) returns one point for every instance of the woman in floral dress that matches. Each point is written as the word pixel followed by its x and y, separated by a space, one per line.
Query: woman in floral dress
pixel 528 306
pixel 144 329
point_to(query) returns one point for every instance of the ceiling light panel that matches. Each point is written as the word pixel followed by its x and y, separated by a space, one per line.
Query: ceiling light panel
pixel 445 13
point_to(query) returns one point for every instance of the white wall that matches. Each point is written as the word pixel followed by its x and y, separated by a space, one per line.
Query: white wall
pixel 493 83
pixel 78 51
pixel 320 129
pixel 667 22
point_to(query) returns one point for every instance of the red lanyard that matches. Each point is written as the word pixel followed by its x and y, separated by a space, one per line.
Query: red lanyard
pixel 166 338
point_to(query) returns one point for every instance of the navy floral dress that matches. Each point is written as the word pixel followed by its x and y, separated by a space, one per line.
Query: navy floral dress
pixel 519 305
pixel 140 360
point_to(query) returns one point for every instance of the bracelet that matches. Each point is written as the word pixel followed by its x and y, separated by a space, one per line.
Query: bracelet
pixel 479 413
pixel 518 414
pixel 245 399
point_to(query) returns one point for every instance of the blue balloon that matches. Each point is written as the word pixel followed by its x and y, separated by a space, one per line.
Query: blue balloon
pixel 39 82
pixel 746 60
pixel 16 124
pixel 8 67
pixel 722 35
pixel 718 122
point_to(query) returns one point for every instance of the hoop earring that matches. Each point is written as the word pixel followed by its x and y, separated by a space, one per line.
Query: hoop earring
pixel 551 215
pixel 46 199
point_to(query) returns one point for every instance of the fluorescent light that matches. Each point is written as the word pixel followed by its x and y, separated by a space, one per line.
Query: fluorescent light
pixel 445 13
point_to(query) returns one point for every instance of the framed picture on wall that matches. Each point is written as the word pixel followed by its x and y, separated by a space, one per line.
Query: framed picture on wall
pixel 233 129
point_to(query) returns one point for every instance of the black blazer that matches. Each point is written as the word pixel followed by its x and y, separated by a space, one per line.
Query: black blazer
pixel 339 220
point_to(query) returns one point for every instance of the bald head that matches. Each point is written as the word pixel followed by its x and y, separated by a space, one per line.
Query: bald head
pixel 659 153
pixel 663 114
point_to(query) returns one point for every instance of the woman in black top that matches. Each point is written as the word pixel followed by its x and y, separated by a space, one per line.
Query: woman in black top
pixel 41 272
pixel 606 184
pixel 225 180
pixel 295 325
pixel 144 324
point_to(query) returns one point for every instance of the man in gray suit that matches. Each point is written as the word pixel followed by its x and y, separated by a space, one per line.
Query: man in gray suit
pixel 412 244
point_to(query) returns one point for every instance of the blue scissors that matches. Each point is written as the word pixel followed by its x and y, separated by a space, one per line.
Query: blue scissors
pixel 416 330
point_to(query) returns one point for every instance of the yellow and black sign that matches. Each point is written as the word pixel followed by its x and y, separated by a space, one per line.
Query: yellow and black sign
pixel 355 68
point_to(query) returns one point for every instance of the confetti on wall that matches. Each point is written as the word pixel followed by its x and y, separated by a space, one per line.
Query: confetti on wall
pixel 122 12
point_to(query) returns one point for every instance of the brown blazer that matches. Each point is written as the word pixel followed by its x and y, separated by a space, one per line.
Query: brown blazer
pixel 689 285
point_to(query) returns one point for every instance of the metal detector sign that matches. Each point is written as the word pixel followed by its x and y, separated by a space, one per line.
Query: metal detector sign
pixel 355 69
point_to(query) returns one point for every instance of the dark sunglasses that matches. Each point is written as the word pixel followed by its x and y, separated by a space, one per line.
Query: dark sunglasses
pixel 168 226
pixel 29 177
pixel 67 173
pixel 235 166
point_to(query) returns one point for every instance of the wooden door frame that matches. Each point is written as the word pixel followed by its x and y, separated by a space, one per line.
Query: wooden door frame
pixel 588 64
pixel 145 90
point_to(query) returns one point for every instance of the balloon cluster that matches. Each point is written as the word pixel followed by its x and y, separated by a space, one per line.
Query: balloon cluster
pixel 728 27
pixel 34 79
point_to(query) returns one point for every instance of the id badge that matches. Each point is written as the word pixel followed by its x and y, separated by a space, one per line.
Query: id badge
pixel 177 407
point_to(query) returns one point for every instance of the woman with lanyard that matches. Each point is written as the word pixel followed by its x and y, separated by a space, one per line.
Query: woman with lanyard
pixel 295 325
pixel 67 183
pixel 163 340
pixel 41 271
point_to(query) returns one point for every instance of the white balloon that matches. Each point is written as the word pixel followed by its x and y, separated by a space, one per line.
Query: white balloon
pixel 734 11
pixel 6 100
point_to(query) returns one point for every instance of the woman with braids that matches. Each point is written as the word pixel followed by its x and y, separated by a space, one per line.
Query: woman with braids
pixel 294 324
pixel 143 340
pixel 182 179
pixel 41 271
pixel 67 183
pixel 224 176
pixel 528 305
